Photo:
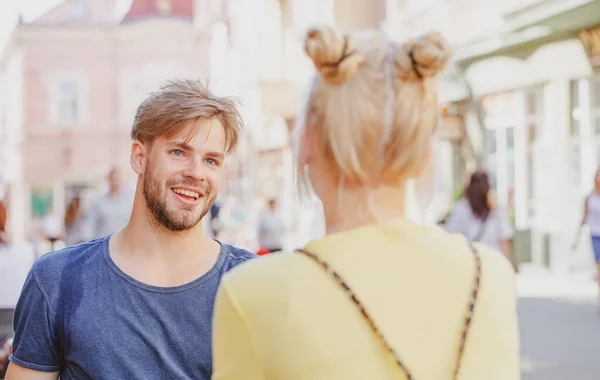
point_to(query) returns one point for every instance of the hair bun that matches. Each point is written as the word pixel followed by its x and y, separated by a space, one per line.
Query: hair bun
pixel 332 54
pixel 424 58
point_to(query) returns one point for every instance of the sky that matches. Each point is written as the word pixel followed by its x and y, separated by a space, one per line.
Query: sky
pixel 30 9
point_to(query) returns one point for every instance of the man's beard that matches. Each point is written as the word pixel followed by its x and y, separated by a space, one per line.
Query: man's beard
pixel 156 200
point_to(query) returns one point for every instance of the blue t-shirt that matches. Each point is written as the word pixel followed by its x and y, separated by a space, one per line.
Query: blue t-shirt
pixel 79 314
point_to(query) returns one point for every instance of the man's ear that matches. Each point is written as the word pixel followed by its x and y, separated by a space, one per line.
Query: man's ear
pixel 138 157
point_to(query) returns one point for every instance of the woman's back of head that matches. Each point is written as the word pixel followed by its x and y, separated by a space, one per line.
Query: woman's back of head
pixel 477 192
pixel 372 108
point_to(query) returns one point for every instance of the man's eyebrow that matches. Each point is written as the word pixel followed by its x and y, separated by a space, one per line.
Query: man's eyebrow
pixel 188 147
pixel 217 155
pixel 181 145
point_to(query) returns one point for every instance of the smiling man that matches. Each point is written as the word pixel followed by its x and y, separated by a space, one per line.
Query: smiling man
pixel 138 304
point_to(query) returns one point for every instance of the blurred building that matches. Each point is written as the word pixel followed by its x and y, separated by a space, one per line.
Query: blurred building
pixel 530 83
pixel 71 82
pixel 267 36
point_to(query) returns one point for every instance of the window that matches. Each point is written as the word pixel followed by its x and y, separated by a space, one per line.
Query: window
pixel 585 129
pixel 534 134
pixel 67 108
pixel 575 110
pixel 272 43
pixel 534 113
pixel 78 11
pixel 576 163
pixel 164 6
pixel 414 6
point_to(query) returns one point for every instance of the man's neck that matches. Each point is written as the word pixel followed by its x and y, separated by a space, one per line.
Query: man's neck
pixel 153 255
pixel 162 259
pixel 151 242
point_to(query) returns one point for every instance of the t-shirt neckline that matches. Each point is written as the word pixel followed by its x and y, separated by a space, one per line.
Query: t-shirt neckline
pixel 159 289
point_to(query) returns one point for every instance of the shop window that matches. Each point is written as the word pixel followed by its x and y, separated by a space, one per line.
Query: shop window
pixel 575 128
pixel 41 200
pixel 576 163
pixel 575 109
pixel 596 92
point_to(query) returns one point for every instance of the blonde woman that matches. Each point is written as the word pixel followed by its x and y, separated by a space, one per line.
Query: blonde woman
pixel 378 297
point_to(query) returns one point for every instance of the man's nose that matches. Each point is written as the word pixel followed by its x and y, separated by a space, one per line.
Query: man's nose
pixel 195 169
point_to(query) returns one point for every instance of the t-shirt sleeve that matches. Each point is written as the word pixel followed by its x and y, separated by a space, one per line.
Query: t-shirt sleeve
pixel 456 222
pixel 234 355
pixel 506 229
pixel 35 344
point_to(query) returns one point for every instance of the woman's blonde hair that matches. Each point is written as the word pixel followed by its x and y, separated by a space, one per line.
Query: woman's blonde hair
pixel 372 105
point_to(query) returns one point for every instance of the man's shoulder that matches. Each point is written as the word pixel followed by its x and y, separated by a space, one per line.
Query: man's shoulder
pixel 51 267
pixel 234 256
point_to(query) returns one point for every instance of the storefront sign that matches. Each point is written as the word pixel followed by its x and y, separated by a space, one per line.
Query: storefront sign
pixel 591 42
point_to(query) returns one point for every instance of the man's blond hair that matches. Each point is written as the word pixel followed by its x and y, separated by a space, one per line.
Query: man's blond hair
pixel 165 112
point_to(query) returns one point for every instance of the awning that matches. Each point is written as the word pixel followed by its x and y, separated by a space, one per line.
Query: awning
pixel 539 23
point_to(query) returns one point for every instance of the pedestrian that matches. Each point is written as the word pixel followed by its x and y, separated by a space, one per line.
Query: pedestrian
pixel 52 228
pixel 138 303
pixel 3 219
pixel 271 229
pixel 73 223
pixel 36 235
pixel 215 225
pixel 478 220
pixel 591 218
pixel 5 350
pixel 109 212
pixel 379 297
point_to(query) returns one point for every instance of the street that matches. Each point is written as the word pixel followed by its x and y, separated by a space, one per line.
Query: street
pixel 560 329
pixel 559 320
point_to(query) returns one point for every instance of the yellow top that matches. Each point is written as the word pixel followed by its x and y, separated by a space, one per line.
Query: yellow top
pixel 283 317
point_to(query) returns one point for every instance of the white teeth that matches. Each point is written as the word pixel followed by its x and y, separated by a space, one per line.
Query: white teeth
pixel 187 193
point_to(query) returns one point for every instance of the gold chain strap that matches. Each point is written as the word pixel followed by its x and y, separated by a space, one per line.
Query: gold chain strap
pixel 367 316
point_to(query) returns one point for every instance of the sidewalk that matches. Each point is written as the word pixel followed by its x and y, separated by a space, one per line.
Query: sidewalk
pixel 14 266
pixel 537 282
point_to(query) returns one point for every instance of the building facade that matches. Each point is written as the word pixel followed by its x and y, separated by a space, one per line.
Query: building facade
pixel 71 82
pixel 529 76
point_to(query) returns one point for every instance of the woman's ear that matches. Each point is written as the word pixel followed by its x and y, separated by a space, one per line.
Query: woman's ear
pixel 138 157
pixel 425 178
pixel 426 164
pixel 306 145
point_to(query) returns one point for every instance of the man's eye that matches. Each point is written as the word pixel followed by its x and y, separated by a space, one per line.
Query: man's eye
pixel 211 161
pixel 177 153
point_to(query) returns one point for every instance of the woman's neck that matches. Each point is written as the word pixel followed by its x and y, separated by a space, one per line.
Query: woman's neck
pixel 354 208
